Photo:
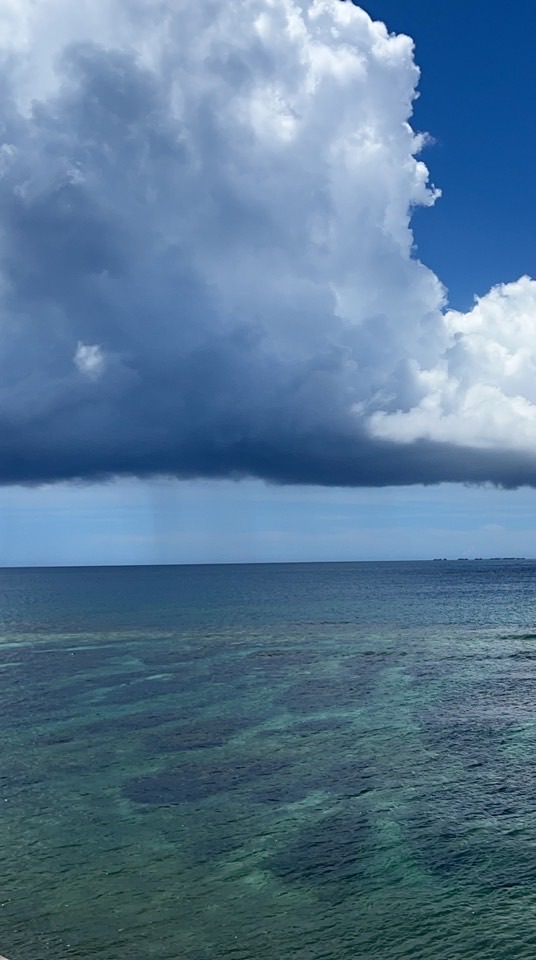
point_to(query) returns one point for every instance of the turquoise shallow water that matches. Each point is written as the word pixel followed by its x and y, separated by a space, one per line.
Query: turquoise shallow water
pixel 307 761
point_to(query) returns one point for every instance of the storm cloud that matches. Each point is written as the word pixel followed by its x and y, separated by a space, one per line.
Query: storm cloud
pixel 206 259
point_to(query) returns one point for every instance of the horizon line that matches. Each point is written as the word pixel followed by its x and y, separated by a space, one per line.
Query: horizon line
pixel 258 563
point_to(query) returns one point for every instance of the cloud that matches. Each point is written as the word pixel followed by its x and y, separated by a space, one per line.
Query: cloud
pixel 89 359
pixel 206 259
pixel 482 391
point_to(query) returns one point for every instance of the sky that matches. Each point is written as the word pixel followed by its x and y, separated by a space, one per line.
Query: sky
pixel 265 281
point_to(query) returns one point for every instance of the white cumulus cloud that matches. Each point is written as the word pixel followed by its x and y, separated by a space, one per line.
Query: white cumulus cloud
pixel 482 390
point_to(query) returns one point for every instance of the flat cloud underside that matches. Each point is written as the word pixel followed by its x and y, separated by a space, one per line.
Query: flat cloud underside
pixel 206 264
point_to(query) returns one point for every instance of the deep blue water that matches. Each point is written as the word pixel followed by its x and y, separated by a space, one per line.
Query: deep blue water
pixel 269 761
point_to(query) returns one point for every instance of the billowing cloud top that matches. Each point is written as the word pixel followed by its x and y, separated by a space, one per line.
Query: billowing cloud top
pixel 206 262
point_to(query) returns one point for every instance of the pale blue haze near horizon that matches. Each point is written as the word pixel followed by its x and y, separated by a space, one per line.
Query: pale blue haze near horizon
pixel 136 522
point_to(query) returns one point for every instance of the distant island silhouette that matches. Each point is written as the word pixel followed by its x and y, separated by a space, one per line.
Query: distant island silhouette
pixel 475 559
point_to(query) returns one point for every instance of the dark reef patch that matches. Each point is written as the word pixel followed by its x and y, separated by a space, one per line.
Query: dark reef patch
pixel 519 636
pixel 350 778
pixel 198 735
pixel 54 741
pixel 279 660
pixel 194 781
pixel 66 661
pixel 317 694
pixel 306 728
pixel 473 857
pixel 334 851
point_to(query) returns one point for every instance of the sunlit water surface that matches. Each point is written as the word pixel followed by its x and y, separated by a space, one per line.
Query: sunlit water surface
pixel 332 761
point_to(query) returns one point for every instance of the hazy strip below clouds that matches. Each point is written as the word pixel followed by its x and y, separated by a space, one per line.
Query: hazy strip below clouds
pixel 206 263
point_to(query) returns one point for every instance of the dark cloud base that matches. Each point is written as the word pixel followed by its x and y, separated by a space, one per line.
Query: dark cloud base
pixel 328 463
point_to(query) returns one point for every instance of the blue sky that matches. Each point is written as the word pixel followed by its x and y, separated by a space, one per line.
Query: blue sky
pixel 478 82
pixel 213 291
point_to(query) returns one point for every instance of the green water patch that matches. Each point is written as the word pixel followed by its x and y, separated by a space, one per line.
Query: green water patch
pixel 522 655
pixel 285 791
pixel 18 780
pixel 133 722
pixel 306 729
pixel 136 690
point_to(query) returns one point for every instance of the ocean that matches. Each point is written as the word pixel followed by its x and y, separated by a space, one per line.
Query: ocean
pixel 262 762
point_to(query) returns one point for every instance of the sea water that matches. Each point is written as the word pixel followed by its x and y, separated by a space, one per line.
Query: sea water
pixel 306 761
